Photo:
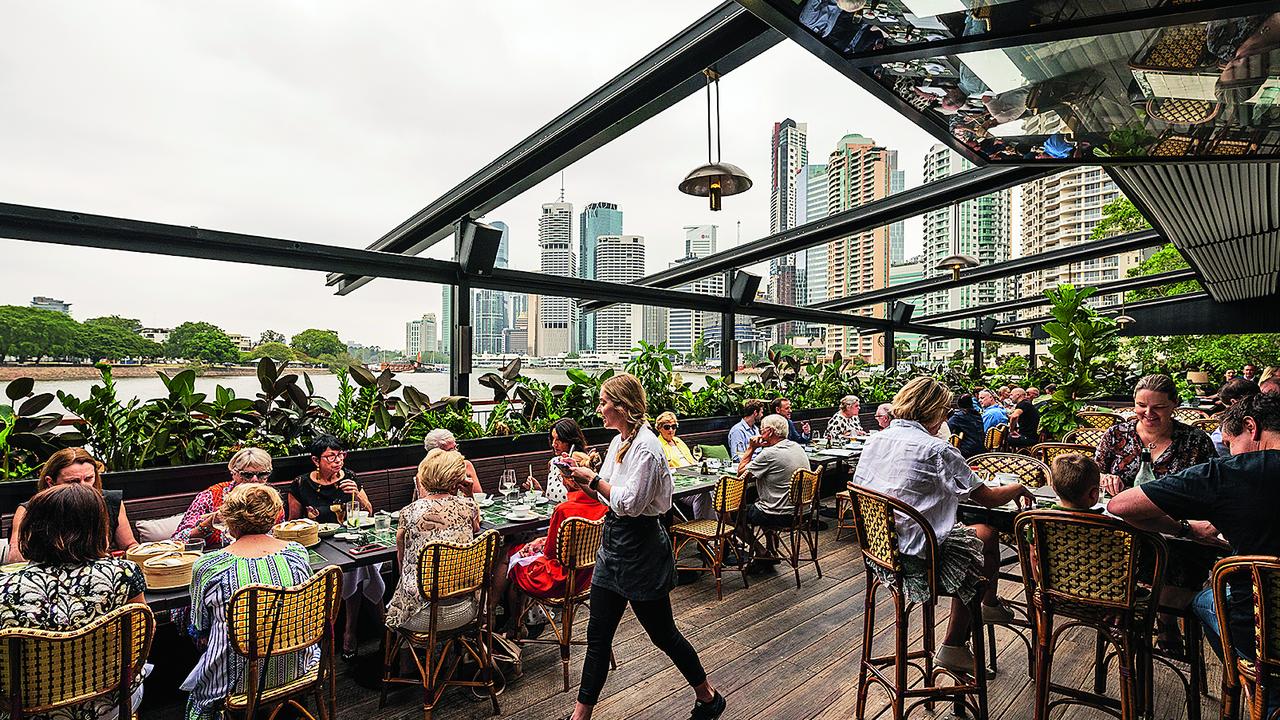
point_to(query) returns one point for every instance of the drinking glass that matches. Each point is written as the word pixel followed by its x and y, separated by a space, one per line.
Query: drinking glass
pixel 697 453
pixel 508 484
pixel 194 545
pixel 382 522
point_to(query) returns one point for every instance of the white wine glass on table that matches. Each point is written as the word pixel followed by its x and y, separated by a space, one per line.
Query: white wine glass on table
pixel 508 484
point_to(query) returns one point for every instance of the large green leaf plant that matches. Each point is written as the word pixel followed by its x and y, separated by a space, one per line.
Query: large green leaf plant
pixel 1080 343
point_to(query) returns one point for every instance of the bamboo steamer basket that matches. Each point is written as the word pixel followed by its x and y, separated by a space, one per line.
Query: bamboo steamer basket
pixel 304 532
pixel 140 553
pixel 170 570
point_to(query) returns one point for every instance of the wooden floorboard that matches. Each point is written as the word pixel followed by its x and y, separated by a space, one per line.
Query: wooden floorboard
pixel 776 652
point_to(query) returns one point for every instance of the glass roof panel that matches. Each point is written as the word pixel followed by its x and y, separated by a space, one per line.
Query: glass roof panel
pixel 1201 90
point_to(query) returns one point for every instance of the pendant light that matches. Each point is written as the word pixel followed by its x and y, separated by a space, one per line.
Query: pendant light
pixel 716 179
pixel 955 262
pixel 1124 319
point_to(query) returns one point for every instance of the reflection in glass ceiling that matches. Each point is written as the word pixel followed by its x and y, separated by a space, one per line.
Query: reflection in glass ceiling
pixel 1201 90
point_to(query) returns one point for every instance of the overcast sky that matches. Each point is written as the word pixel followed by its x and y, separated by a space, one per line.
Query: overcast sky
pixel 332 122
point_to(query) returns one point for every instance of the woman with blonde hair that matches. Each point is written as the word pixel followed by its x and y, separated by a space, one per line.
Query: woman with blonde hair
pixel 678 455
pixel 75 466
pixel 439 514
pixel 907 461
pixel 444 439
pixel 634 565
pixel 248 465
pixel 249 510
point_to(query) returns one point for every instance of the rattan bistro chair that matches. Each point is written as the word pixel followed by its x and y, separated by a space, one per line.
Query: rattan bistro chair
pixel 875 517
pixel 266 624
pixel 1258 677
pixel 1082 568
pixel 1189 414
pixel 1098 419
pixel 577 541
pixel 995 436
pixel 1207 424
pixel 844 512
pixel 44 671
pixel 1090 436
pixel 785 543
pixel 1047 451
pixel 714 536
pixel 1030 471
pixel 460 573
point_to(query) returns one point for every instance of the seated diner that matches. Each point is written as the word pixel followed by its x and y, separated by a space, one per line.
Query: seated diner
pixel 678 455
pixel 770 461
pixel 75 466
pixel 445 440
pixel 203 520
pixel 845 425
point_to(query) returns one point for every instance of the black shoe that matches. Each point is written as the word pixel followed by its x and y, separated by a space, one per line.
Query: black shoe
pixel 349 655
pixel 708 711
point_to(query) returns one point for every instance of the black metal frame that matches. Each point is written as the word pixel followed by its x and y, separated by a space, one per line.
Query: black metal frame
pixel 725 39
pixel 1130 308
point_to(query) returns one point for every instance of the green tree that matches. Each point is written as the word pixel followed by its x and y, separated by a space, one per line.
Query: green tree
pixel 273 350
pixel 1118 217
pixel 201 341
pixel 314 343
pixel 113 338
pixel 1166 259
pixel 133 325
pixel 271 336
pixel 699 352
pixel 31 333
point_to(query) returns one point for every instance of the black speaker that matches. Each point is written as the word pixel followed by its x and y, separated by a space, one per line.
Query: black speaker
pixel 901 313
pixel 987 325
pixel 744 287
pixel 477 247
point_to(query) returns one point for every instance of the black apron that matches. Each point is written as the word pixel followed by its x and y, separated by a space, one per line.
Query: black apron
pixel 635 558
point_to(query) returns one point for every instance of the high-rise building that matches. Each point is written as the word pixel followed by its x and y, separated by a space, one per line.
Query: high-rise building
pixel 858 171
pixel 620 259
pixel 900 274
pixel 517 336
pixel 653 321
pixel 1060 211
pixel 557 317
pixel 789 153
pixel 981 228
pixel 41 302
pixel 430 333
pixel 598 218
pixel 811 205
pixel 446 319
pixel 700 240
pixel 420 336
pixel 489 314
pixel 898 230
pixel 684 326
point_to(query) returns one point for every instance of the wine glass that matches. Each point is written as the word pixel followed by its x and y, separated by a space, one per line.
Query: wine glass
pixel 508 484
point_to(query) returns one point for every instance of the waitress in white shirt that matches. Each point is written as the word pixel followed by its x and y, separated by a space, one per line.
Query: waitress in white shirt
pixel 635 564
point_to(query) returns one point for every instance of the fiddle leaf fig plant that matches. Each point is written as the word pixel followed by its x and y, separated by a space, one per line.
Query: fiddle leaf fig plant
pixel 1080 341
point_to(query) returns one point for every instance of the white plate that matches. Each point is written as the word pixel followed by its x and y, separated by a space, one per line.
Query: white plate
pixel 521 518
pixel 484 503
pixel 542 500
pixel 349 537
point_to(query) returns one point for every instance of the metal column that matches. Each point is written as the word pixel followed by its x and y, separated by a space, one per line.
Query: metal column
pixel 461 345
pixel 977 354
pixel 890 350
pixel 728 345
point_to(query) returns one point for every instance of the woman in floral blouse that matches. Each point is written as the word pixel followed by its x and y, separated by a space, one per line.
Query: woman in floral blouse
pixel 246 466
pixel 1173 447
pixel 70 578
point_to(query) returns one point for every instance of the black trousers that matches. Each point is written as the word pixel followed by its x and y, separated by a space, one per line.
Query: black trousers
pixel 655 617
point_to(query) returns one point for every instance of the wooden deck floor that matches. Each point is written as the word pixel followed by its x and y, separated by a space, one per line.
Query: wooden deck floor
pixel 775 652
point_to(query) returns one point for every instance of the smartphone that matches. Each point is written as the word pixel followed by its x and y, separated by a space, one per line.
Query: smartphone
pixel 562 466
pixel 366 549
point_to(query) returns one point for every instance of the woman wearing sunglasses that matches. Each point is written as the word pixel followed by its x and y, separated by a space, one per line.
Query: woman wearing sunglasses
pixel 248 465
pixel 678 455
pixel 314 495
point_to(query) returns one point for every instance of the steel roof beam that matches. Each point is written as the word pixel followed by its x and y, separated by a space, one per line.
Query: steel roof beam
pixel 1115 309
pixel 886 211
pixel 1128 284
pixel 1128 242
pixel 725 39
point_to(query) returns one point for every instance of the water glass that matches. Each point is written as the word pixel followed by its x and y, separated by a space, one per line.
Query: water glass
pixel 194 545
pixel 382 522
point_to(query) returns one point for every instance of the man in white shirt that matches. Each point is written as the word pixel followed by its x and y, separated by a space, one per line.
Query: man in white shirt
pixel 770 461
pixel 884 415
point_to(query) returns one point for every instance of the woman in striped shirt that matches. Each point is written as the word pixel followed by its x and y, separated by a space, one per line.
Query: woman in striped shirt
pixel 249 511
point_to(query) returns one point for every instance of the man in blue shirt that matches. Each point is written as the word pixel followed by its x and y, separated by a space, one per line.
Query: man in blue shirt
pixel 992 413
pixel 798 433
pixel 747 428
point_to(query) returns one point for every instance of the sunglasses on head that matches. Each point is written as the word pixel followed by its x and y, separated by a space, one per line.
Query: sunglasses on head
pixel 254 474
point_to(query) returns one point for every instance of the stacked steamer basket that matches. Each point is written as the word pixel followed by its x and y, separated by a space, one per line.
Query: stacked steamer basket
pixel 169 570
pixel 304 532
pixel 140 553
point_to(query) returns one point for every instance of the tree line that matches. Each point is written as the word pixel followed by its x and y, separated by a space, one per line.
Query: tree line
pixel 34 334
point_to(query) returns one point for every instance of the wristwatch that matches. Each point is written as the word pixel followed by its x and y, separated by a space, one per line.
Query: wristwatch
pixel 595 482
pixel 1184 528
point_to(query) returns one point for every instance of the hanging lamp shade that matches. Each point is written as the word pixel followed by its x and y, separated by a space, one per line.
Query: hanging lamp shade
pixel 715 180
pixel 1123 320
pixel 956 263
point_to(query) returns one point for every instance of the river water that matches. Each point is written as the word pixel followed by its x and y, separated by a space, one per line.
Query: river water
pixel 434 385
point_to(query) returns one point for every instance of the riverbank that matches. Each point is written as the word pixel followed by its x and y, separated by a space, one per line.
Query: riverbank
pixel 89 372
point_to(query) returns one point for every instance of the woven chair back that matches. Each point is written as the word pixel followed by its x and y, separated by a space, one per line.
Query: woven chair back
pixel 447 570
pixel 44 670
pixel 730 490
pixel 804 488
pixel 875 524
pixel 577 542
pixel 994 439
pixel 1083 559
pixel 1098 419
pixel 1046 452
pixel 1264 574
pixel 1030 471
pixel 1189 415
pixel 1207 424
pixel 1090 436
pixel 955 439
pixel 264 620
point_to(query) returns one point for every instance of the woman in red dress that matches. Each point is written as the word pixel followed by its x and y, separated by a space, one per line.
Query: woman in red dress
pixel 531 568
